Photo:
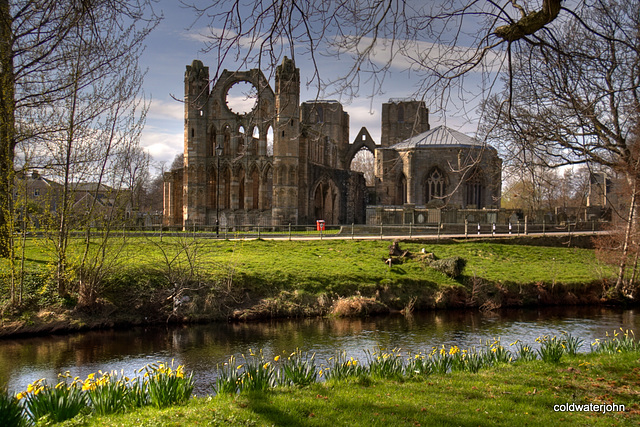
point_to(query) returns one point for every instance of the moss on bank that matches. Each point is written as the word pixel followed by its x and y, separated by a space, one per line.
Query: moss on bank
pixel 182 279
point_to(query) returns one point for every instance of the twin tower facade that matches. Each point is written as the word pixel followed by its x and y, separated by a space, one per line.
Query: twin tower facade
pixel 275 161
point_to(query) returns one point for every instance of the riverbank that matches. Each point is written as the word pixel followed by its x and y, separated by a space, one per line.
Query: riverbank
pixel 521 393
pixel 193 280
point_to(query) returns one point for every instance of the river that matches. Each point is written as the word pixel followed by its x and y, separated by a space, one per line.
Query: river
pixel 202 347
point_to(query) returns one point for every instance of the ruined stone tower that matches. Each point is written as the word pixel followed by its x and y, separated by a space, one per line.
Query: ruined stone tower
pixel 286 143
pixel 402 120
pixel 196 113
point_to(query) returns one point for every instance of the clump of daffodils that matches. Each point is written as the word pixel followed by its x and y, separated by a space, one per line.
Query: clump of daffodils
pixel 103 393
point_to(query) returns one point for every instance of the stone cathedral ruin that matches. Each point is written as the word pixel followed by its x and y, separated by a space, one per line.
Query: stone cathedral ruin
pixel 282 162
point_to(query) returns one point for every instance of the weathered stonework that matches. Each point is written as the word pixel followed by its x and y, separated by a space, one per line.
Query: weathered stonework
pixel 304 176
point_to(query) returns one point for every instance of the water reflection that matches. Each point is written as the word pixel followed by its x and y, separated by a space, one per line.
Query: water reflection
pixel 202 347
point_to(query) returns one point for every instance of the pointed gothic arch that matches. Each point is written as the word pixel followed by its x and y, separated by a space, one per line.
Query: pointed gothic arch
pixel 474 189
pixel 435 185
pixel 212 187
pixel 226 142
pixel 401 189
pixel 326 201
pixel 269 146
pixel 225 203
pixel 266 187
pixel 254 190
pixel 211 145
pixel 241 187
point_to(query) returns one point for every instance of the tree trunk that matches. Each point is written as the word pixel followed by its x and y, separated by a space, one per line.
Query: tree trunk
pixel 7 130
pixel 629 229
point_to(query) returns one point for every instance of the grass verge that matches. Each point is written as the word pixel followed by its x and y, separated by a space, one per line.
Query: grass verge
pixel 522 393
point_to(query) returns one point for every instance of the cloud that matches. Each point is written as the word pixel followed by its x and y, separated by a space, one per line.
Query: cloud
pixel 418 55
pixel 362 115
pixel 162 146
pixel 209 35
pixel 166 110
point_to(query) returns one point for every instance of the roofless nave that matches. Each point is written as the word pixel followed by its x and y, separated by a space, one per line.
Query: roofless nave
pixel 305 175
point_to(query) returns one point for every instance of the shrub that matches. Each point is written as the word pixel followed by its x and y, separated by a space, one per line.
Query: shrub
pixel 452 267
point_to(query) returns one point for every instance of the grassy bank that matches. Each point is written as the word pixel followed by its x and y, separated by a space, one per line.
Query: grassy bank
pixel 522 393
pixel 191 279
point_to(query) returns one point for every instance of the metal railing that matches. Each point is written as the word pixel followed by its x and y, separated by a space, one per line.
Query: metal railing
pixel 355 231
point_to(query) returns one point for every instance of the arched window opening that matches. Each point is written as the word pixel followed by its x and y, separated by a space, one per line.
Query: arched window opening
pixel 364 162
pixel 241 130
pixel 226 145
pixel 474 192
pixel 401 190
pixel 241 191
pixel 255 133
pixel 267 191
pixel 400 113
pixel 270 141
pixel 435 186
pixel 255 189
pixel 226 196
pixel 212 188
pixel 292 176
pixel 319 114
pixel 211 148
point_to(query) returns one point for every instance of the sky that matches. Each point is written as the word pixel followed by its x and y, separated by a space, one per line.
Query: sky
pixel 177 41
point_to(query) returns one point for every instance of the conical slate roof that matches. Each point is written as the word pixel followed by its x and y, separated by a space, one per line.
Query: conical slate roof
pixel 440 136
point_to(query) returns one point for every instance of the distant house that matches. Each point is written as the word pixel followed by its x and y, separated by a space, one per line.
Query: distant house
pixel 44 197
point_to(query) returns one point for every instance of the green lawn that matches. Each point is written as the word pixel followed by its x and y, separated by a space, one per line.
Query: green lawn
pixel 304 278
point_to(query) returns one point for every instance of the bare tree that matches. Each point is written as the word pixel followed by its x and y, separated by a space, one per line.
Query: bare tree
pixel 574 98
pixel 39 41
pixel 441 41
